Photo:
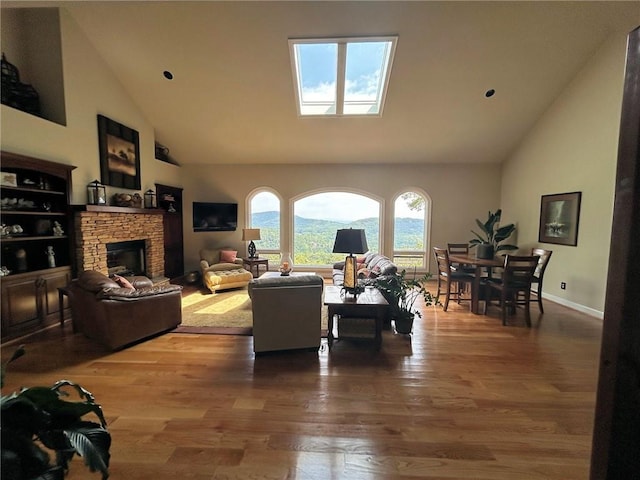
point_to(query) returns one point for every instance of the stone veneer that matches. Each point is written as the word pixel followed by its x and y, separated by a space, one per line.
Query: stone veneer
pixel 94 229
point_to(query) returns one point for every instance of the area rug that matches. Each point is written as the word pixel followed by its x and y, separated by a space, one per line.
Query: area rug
pixel 223 313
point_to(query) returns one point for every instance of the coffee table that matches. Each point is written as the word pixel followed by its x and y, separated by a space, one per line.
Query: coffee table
pixel 369 304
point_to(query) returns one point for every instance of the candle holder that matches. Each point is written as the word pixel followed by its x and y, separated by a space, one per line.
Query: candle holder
pixel 96 193
pixel 150 199
pixel 286 264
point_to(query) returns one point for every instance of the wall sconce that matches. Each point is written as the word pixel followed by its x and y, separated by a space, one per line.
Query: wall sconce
pixel 350 240
pixel 150 199
pixel 96 193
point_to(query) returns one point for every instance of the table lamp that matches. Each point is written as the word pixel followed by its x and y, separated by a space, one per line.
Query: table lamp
pixel 350 240
pixel 251 234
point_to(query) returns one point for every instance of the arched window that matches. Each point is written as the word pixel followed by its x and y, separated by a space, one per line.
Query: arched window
pixel 318 216
pixel 411 215
pixel 263 212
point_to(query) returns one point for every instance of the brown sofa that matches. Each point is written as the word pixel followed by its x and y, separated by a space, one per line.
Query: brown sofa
pixel 115 316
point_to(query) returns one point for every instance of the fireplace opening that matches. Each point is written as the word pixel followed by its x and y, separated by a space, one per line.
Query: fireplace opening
pixel 126 258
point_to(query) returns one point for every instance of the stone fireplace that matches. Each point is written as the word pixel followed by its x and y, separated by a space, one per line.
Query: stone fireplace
pixel 96 226
pixel 127 258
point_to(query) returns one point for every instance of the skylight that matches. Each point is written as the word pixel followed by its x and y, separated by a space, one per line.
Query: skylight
pixel 346 76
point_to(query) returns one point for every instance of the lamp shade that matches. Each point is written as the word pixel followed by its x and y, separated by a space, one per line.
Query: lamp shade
pixel 350 240
pixel 250 234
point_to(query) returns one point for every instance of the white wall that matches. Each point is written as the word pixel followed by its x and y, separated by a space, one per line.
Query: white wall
pixel 90 88
pixel 573 147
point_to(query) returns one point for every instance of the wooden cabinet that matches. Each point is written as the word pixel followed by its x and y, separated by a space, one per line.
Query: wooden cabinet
pixel 30 300
pixel 36 241
pixel 170 200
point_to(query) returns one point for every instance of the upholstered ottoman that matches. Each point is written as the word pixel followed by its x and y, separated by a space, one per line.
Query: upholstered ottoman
pixel 223 279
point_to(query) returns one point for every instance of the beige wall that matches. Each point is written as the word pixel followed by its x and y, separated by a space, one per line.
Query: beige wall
pixel 459 194
pixel 573 147
pixel 91 88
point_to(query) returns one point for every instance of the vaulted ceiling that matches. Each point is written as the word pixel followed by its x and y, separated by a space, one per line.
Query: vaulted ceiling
pixel 232 99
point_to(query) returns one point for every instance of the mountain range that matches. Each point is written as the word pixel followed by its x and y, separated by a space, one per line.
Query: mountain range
pixel 315 237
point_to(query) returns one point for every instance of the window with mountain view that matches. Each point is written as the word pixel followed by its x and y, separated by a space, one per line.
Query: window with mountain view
pixel 344 76
pixel 264 213
pixel 317 217
pixel 409 233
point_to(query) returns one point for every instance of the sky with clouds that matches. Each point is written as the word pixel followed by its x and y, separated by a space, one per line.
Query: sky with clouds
pixel 342 206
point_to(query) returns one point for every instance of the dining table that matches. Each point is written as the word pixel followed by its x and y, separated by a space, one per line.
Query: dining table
pixel 478 264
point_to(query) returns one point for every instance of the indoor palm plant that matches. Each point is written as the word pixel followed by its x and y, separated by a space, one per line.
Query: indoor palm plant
pixel 489 241
pixel 35 420
pixel 401 293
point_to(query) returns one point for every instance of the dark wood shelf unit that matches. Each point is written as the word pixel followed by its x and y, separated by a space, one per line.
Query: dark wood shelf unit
pixel 170 203
pixel 29 293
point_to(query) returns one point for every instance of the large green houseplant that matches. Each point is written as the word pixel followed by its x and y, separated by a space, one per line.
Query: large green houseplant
pixel 401 293
pixel 36 420
pixel 489 241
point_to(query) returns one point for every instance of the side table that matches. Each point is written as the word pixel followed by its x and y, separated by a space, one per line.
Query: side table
pixel 368 308
pixel 62 292
pixel 251 262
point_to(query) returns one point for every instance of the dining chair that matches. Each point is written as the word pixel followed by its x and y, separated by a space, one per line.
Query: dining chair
pixel 538 275
pixel 514 288
pixel 449 277
pixel 460 249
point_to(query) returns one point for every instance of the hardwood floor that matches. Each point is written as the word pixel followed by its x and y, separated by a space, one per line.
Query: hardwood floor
pixel 463 398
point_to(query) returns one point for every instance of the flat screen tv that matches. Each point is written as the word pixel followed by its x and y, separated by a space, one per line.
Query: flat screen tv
pixel 215 217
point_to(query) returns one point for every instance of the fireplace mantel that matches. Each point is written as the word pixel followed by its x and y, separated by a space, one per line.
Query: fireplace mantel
pixel 115 209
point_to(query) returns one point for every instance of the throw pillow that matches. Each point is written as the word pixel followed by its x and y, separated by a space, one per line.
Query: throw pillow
pixel 375 271
pixel 228 256
pixel 123 282
pixel 363 273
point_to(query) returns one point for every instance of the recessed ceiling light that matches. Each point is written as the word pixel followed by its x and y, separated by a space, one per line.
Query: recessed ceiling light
pixel 168 75
pixel 490 93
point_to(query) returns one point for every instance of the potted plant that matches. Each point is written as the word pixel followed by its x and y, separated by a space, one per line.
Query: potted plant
pixel 489 242
pixel 36 419
pixel 401 293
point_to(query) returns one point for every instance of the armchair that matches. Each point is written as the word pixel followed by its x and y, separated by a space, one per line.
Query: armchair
pixel 115 316
pixel 222 269
pixel 287 312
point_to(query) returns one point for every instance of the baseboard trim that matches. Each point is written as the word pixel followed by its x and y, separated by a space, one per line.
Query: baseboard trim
pixel 575 306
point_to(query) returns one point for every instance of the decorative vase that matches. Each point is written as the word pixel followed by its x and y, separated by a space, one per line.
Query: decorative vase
pixel 484 250
pixel 404 322
pixel 51 257
pixel 286 264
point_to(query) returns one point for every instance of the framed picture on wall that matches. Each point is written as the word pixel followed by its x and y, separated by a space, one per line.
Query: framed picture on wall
pixel 119 154
pixel 559 217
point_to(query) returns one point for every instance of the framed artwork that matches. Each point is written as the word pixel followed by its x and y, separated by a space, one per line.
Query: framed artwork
pixel 119 154
pixel 8 179
pixel 559 216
